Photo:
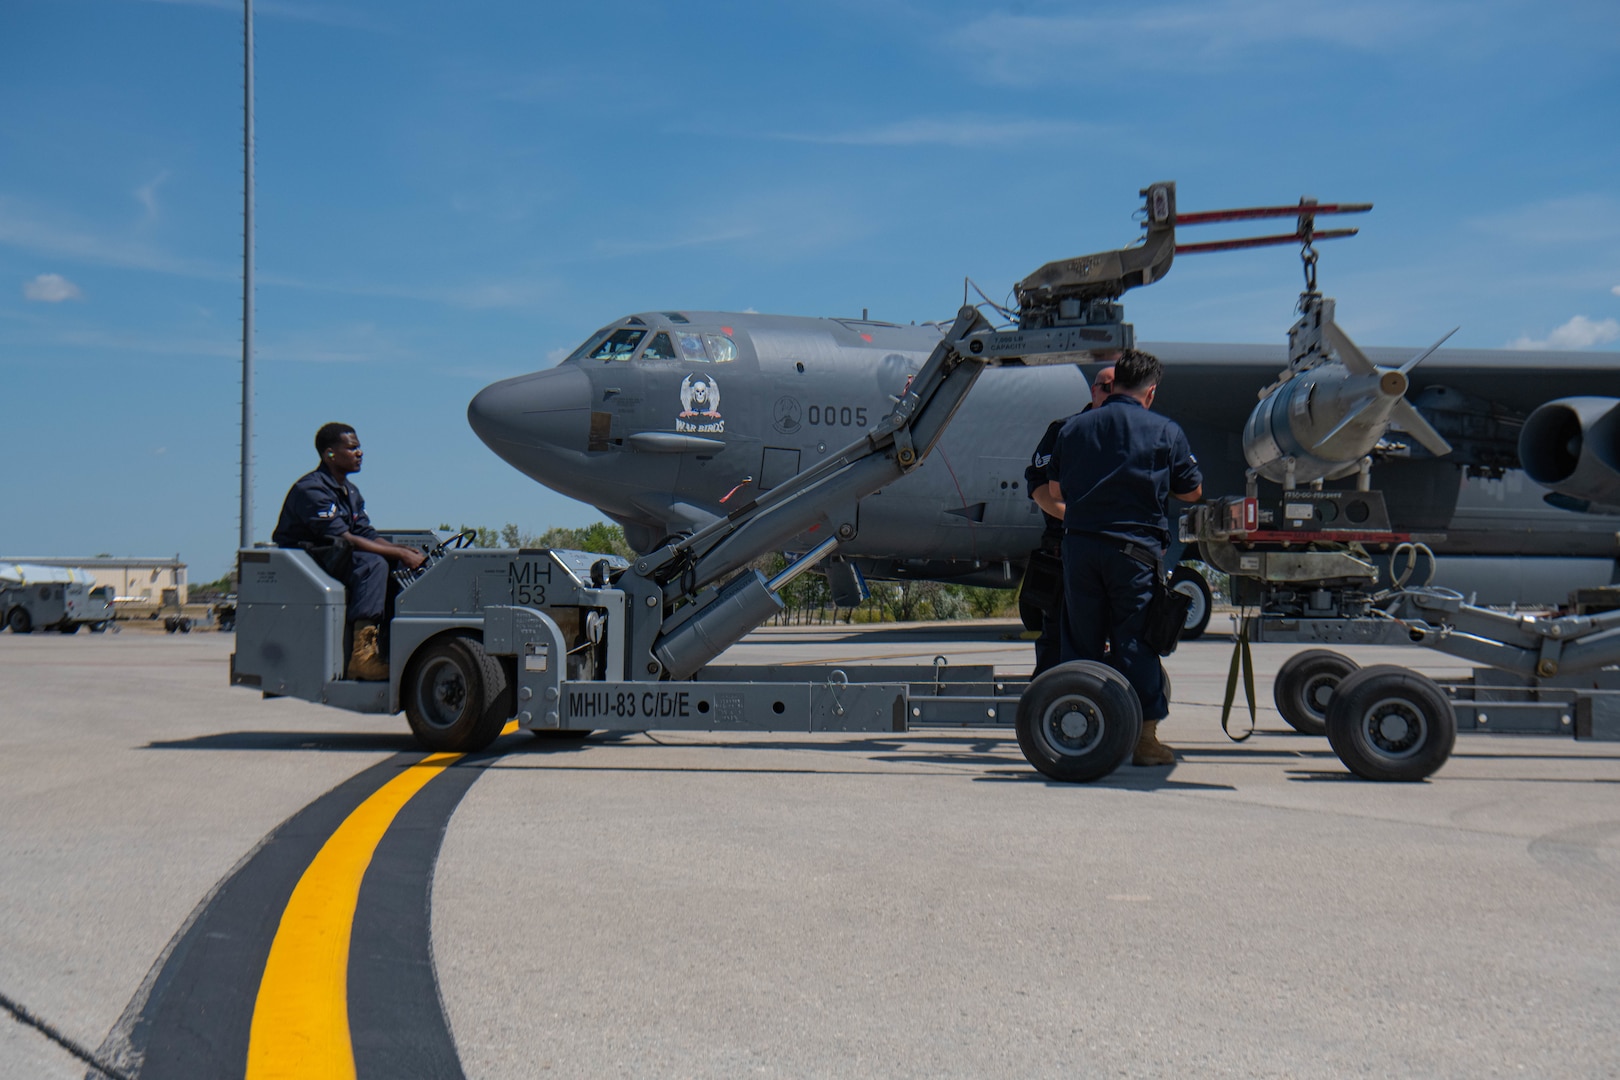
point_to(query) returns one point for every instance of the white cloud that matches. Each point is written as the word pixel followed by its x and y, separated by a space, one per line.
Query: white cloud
pixel 1570 220
pixel 1579 333
pixel 33 228
pixel 1616 290
pixel 1027 48
pixel 146 194
pixel 51 289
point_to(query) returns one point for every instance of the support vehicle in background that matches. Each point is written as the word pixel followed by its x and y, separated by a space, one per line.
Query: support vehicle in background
pixel 52 598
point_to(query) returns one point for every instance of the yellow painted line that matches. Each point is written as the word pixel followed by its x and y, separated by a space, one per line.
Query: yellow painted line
pixel 301 1017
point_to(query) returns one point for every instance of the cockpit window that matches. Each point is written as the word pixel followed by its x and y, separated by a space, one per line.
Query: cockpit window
pixel 620 345
pixel 587 345
pixel 722 350
pixel 659 348
pixel 707 348
pixel 692 347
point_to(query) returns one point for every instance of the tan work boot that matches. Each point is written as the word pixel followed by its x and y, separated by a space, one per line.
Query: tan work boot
pixel 365 661
pixel 1149 750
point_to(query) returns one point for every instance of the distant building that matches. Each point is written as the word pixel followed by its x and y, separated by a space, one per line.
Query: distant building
pixel 155 581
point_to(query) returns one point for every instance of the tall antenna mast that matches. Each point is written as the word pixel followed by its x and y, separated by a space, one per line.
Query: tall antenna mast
pixel 247 274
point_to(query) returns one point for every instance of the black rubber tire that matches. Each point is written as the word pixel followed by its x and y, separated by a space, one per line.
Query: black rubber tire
pixel 1304 686
pixel 20 621
pixel 185 626
pixel 1187 580
pixel 98 627
pixel 455 696
pixel 1389 723
pixel 1078 722
pixel 70 628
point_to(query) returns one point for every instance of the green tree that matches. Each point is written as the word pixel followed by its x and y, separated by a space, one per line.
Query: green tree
pixel 602 538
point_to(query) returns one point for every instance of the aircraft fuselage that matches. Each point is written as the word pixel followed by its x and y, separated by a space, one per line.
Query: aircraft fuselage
pixel 667 420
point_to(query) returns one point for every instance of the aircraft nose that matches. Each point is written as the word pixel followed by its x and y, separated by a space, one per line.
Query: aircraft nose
pixel 548 410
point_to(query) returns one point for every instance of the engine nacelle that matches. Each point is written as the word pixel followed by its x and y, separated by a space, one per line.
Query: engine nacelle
pixel 1572 446
pixel 1325 419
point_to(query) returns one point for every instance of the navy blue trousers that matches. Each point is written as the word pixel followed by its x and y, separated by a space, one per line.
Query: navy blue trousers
pixel 367 584
pixel 1106 594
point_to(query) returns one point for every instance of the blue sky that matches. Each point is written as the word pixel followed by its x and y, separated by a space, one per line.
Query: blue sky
pixel 450 194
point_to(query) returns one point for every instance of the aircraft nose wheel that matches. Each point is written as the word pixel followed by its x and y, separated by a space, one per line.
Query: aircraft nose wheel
pixel 1078 721
pixel 1184 579
pixel 1389 723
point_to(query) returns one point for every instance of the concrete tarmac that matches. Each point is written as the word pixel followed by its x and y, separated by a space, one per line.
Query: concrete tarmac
pixel 679 904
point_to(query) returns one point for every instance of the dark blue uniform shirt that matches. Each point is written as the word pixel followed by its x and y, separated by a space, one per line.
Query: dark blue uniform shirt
pixel 1118 466
pixel 1038 474
pixel 320 507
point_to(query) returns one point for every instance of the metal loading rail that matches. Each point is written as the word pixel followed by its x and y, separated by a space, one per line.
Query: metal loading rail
pixel 1542 675
pixel 941 696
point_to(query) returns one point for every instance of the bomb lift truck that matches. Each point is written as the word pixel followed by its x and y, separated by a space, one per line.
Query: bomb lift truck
pixel 567 642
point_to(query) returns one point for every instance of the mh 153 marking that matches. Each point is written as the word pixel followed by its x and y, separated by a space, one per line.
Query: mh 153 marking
pixel 529 580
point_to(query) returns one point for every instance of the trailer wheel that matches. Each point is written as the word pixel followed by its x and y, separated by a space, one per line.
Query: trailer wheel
pixel 98 627
pixel 1184 579
pixel 1304 686
pixel 1078 721
pixel 20 621
pixel 1389 723
pixel 455 696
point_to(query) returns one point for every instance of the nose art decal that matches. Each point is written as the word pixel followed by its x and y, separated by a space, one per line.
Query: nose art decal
pixel 700 406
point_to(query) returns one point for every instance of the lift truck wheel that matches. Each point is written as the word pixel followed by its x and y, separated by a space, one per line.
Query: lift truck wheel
pixel 20 621
pixel 1390 723
pixel 1184 579
pixel 455 695
pixel 1078 721
pixel 1305 684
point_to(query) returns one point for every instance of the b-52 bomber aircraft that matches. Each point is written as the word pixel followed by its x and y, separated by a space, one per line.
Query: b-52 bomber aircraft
pixel 1506 463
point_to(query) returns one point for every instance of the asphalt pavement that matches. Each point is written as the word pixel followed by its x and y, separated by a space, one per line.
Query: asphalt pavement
pixel 686 904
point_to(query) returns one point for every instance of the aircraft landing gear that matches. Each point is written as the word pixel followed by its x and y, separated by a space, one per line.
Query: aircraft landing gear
pixel 1184 579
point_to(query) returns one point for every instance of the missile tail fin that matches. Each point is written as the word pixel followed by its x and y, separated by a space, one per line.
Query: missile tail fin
pixel 1412 422
pixel 1349 418
pixel 1355 361
pixel 1426 353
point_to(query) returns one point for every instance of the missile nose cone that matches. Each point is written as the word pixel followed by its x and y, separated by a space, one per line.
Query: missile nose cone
pixel 548 410
pixel 1392 383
